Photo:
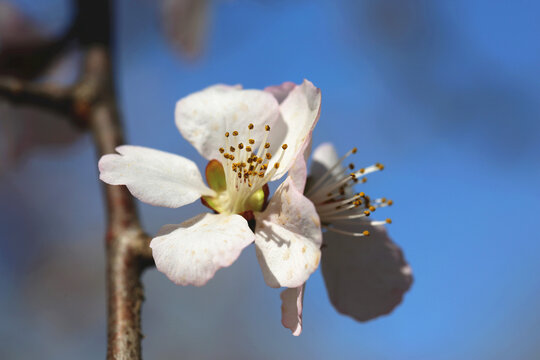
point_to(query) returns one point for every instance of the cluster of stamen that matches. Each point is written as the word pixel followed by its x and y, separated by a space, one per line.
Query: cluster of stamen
pixel 336 202
pixel 246 167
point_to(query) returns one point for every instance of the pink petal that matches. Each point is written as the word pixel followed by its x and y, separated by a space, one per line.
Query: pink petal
pixel 185 23
pixel 365 277
pixel 291 308
pixel 281 92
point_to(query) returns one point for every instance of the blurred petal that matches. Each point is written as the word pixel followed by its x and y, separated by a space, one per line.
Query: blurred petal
pixel 281 92
pixel 365 277
pixel 16 28
pixel 155 177
pixel 288 238
pixel 185 23
pixel 190 253
pixel 204 117
pixel 299 114
pixel 24 128
pixel 291 308
pixel 324 157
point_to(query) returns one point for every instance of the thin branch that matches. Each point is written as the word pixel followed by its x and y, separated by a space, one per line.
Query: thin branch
pixel 27 61
pixel 61 100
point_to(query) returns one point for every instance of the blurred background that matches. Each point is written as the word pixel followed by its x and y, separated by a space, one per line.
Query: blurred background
pixel 445 94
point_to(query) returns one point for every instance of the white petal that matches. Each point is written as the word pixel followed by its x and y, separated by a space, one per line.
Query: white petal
pixel 291 308
pixel 204 117
pixel 190 253
pixel 153 176
pixel 365 277
pixel 288 238
pixel 299 114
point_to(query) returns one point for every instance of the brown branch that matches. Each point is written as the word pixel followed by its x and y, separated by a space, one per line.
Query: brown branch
pixel 28 61
pixel 91 103
pixel 128 251
pixel 61 100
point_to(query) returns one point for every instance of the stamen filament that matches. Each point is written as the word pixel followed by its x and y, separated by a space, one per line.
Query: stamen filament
pixel 329 172
pixel 350 233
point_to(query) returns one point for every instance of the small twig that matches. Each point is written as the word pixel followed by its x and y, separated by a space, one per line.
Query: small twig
pixel 61 100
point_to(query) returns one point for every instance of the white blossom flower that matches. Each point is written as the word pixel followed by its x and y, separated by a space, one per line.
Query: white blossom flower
pixel 249 139
pixel 365 273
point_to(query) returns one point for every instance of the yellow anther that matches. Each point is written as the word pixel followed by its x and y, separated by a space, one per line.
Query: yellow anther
pixel 268 156
pixel 362 170
pixel 226 155
pixel 284 146
pixel 390 202
pixel 232 149
pixel 261 174
pixel 221 150
pixel 248 148
pixel 251 141
pixel 231 157
pixel 264 166
pixel 366 233
pixel 240 146
pixel 383 200
pixel 388 221
pixel 267 127
pixel 380 166
pixel 372 208
pixel 364 180
pixel 250 126
pixel 235 133
pixel 366 212
pixel 227 134
pixel 354 150
pixel 267 145
pixel 361 194
pixel 276 165
pixel 259 160
pixel 353 175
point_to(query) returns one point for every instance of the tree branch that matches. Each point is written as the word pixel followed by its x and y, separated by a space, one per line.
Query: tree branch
pixel 61 100
pixel 128 251
pixel 92 104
